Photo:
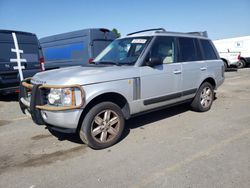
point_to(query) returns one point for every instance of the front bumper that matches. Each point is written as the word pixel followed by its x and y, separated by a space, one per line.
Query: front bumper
pixel 33 103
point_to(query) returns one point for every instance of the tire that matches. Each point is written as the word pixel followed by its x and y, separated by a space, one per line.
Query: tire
pixel 241 64
pixel 225 65
pixel 102 126
pixel 204 97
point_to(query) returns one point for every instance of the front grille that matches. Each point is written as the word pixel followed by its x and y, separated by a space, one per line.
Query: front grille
pixel 45 93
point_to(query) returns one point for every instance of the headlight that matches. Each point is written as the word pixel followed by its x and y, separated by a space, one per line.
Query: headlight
pixel 57 98
pixel 62 97
pixel 54 96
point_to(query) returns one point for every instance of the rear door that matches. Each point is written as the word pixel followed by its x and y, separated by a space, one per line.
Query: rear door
pixel 100 39
pixel 98 46
pixel 193 65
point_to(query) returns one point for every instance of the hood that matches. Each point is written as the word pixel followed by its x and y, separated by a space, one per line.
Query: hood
pixel 85 75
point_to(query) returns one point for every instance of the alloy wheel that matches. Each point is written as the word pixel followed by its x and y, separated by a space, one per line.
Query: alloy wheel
pixel 105 126
pixel 206 97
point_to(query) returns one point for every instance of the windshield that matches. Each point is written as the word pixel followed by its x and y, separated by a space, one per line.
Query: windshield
pixel 122 51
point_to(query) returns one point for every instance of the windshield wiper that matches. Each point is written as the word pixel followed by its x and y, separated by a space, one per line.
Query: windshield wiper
pixel 108 63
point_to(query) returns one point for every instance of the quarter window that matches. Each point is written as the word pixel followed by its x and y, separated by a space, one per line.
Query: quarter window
pixel 208 50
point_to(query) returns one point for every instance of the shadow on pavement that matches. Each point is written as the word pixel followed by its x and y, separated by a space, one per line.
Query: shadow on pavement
pixel 156 116
pixel 9 97
pixel 72 137
pixel 133 123
pixel 231 70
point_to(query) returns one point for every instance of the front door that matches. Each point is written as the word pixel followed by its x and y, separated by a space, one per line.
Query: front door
pixel 160 85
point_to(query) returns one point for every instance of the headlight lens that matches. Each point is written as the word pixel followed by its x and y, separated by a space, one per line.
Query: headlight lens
pixel 54 96
pixel 62 97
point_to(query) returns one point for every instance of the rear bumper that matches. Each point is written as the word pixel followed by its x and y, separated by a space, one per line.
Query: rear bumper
pixel 33 107
pixel 9 90
pixel 234 63
pixel 220 82
pixel 248 60
pixel 10 80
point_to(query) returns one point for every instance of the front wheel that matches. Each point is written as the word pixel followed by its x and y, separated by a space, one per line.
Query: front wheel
pixel 204 98
pixel 102 126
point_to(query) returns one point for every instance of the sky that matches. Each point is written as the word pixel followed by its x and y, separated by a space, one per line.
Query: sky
pixel 221 18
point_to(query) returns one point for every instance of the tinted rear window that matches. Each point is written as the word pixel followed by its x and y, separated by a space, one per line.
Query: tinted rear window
pixel 208 50
pixel 188 50
pixel 21 38
pixel 27 43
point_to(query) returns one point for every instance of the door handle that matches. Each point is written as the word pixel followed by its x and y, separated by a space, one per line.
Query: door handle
pixel 203 68
pixel 177 72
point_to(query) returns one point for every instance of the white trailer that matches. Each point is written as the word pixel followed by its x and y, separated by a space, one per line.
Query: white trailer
pixel 234 51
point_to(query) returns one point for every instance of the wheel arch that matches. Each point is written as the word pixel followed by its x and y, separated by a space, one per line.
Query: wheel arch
pixel 225 61
pixel 114 97
pixel 244 59
pixel 211 81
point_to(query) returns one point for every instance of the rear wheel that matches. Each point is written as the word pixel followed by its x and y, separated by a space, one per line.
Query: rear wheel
pixel 102 126
pixel 204 98
pixel 241 64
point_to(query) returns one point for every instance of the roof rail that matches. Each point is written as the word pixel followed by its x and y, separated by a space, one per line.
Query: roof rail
pixel 156 29
pixel 199 33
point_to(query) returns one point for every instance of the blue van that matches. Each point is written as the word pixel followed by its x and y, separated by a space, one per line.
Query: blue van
pixel 20 57
pixel 74 48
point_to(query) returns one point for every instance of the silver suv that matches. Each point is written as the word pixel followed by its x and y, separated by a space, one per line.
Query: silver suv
pixel 138 73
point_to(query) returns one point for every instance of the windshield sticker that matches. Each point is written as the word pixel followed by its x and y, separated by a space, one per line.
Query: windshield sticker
pixel 139 41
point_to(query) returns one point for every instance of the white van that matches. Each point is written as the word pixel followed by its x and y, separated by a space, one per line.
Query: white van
pixel 234 51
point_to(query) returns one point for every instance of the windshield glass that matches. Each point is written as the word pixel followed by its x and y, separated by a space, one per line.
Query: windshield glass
pixel 122 51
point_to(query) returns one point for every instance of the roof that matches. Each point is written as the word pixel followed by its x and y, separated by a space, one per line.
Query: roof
pixel 163 32
pixel 14 31
pixel 71 34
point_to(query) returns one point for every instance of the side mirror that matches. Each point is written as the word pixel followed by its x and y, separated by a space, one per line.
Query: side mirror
pixel 153 61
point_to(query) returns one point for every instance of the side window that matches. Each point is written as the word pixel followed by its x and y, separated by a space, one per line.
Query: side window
pixel 208 50
pixel 164 49
pixel 189 50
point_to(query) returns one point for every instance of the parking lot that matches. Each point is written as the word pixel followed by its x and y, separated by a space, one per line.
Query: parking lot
pixel 175 147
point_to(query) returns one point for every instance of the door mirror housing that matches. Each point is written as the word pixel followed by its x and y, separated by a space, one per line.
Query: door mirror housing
pixel 153 61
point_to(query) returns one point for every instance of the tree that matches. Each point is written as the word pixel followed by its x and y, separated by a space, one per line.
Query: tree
pixel 117 34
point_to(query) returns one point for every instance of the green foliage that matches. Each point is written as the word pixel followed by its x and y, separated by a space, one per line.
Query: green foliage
pixel 116 32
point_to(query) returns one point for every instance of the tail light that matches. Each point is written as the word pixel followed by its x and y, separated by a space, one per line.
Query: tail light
pixel 91 60
pixel 238 57
pixel 42 64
